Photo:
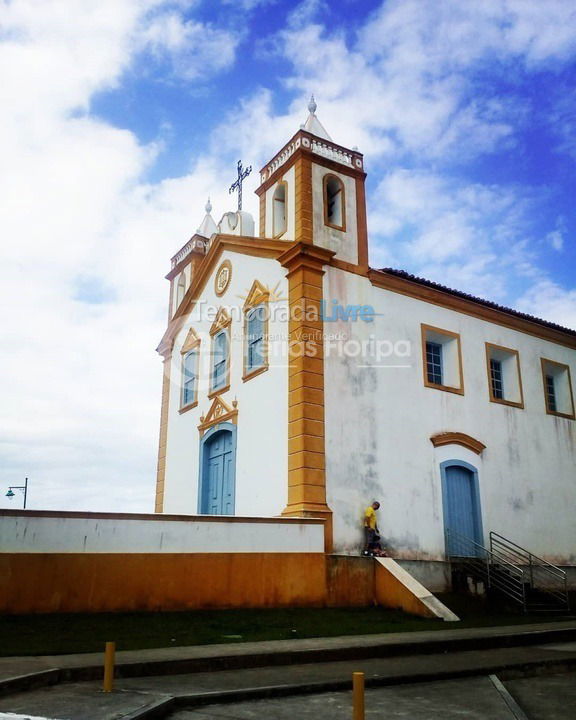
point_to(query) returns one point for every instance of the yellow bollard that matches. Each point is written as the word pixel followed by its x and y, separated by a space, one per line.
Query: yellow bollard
pixel 358 695
pixel 109 666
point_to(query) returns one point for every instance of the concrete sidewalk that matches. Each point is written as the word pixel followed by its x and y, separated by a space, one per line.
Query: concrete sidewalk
pixel 162 696
pixel 15 672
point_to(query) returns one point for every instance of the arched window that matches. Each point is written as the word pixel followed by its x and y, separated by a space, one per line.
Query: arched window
pixel 180 289
pixel 189 378
pixel 334 202
pixel 279 209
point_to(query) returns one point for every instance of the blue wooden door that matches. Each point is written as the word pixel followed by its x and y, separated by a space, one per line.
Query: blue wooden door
pixel 218 481
pixel 461 511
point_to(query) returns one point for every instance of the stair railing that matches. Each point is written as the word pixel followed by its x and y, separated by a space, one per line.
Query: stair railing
pixel 542 575
pixel 493 568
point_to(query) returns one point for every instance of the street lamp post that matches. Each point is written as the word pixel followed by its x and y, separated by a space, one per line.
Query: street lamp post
pixel 24 488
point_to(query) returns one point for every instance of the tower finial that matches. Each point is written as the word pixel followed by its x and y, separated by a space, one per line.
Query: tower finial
pixel 208 207
pixel 312 105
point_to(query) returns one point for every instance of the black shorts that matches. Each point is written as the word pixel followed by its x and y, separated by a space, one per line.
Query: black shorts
pixel 371 537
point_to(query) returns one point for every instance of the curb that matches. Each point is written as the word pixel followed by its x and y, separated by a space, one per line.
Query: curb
pixel 163 708
pixel 286 657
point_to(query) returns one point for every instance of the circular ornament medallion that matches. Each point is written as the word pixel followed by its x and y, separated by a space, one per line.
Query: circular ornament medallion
pixel 223 277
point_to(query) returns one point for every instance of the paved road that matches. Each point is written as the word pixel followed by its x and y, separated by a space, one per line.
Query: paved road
pixel 477 697
pixel 545 698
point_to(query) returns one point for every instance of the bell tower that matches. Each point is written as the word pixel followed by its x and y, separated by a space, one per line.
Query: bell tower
pixel 312 191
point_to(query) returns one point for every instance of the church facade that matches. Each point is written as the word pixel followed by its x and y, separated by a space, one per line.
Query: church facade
pixel 301 382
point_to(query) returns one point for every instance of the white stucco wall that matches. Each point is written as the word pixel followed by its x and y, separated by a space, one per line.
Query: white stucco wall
pixel 344 244
pixel 95 533
pixel 379 421
pixel 262 435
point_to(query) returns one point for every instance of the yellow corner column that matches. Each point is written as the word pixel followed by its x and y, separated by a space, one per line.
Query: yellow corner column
pixel 306 452
pixel 161 469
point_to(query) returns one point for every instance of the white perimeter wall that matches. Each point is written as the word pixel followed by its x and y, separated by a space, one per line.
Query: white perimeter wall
pixel 262 435
pixel 379 422
pixel 91 533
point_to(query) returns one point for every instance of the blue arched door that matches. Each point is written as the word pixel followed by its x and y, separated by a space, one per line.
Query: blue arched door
pixel 218 473
pixel 462 517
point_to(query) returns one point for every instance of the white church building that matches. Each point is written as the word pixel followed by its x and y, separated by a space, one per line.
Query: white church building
pixel 301 382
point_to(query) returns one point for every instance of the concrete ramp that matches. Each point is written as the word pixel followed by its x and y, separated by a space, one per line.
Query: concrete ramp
pixel 396 588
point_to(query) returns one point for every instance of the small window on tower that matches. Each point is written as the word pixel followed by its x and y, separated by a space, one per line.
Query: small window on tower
pixel 180 289
pixel 279 209
pixel 334 207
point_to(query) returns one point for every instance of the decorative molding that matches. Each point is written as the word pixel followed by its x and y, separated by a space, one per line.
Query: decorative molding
pixel 258 294
pixel 192 341
pixel 222 320
pixel 219 412
pixel 458 438
pixel 304 141
pixel 257 247
pixel 223 278
pixel 190 406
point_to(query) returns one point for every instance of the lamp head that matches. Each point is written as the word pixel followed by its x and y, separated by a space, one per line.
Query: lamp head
pixel 10 494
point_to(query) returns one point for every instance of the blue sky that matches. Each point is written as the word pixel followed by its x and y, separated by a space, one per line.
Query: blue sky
pixel 119 117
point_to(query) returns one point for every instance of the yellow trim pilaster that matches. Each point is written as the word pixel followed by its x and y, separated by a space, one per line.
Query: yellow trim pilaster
pixel 161 468
pixel 306 450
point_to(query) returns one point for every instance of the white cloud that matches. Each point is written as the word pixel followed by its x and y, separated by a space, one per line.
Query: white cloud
pixel 81 381
pixel 549 300
pixel 194 49
pixel 556 239
pixel 468 236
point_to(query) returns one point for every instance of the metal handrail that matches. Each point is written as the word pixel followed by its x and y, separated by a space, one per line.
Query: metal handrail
pixel 524 550
pixel 539 568
pixel 510 582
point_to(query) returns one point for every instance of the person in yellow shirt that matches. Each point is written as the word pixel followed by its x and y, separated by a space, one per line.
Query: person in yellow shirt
pixel 371 533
